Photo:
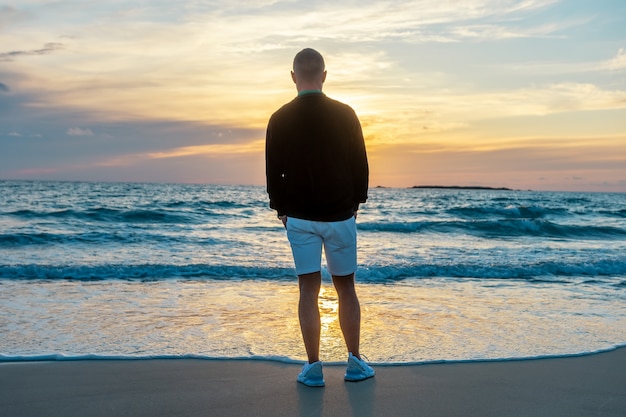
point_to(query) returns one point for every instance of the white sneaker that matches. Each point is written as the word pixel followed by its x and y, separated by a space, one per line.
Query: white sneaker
pixel 357 369
pixel 311 375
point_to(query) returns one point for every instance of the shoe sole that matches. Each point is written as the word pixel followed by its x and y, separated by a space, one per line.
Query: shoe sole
pixel 312 384
pixel 357 378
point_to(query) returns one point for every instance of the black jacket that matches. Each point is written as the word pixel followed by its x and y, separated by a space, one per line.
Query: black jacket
pixel 316 163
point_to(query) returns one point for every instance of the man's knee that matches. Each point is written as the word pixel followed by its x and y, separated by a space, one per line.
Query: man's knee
pixel 343 283
pixel 344 279
pixel 310 283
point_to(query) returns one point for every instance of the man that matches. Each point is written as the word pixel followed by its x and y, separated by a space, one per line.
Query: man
pixel 317 175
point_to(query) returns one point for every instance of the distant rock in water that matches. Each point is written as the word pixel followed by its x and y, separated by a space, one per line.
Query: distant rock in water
pixel 461 187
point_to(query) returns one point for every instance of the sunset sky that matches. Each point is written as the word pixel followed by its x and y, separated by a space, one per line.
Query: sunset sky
pixel 526 94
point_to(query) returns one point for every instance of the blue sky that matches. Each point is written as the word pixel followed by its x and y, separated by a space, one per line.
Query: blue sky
pixel 521 94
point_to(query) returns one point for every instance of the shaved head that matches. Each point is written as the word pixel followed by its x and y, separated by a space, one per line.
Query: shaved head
pixel 308 65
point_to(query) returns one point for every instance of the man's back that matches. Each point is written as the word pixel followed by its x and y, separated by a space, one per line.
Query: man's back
pixel 316 161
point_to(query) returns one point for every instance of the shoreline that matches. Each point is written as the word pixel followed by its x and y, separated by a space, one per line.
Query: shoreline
pixel 551 387
pixel 18 359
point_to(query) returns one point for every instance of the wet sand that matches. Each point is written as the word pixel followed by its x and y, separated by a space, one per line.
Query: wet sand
pixel 593 385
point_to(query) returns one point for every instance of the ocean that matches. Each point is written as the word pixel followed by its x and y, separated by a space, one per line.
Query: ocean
pixel 128 270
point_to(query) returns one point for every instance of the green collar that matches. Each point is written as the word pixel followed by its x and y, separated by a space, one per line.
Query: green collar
pixel 305 92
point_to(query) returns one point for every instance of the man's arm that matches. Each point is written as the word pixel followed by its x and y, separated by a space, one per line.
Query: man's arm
pixel 274 174
pixel 360 167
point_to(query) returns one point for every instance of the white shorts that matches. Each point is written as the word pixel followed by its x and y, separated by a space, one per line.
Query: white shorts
pixel 338 239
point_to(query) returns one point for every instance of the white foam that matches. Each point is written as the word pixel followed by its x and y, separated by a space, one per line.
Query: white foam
pixel 411 321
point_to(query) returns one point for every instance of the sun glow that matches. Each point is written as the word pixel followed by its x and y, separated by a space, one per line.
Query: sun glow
pixel 331 338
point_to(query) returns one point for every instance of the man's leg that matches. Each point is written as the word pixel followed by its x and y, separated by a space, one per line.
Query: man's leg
pixel 349 312
pixel 309 313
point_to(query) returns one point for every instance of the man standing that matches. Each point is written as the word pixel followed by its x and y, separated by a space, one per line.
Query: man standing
pixel 317 174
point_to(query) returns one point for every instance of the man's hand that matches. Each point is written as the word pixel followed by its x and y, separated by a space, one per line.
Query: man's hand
pixel 283 219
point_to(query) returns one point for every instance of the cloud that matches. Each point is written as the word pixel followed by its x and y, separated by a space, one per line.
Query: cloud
pixel 618 62
pixel 365 22
pixel 212 150
pixel 544 100
pixel 400 118
pixel 77 131
pixel 221 151
pixel 47 49
pixel 4 88
pixel 259 36
pixel 34 172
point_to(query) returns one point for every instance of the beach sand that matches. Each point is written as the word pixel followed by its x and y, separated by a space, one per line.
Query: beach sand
pixel 593 385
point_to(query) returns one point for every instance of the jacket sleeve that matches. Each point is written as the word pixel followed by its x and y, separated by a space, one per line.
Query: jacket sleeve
pixel 360 167
pixel 274 174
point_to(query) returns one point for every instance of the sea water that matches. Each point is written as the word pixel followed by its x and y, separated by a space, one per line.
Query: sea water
pixel 126 270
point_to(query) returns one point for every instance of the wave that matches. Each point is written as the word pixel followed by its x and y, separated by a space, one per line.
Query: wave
pixel 499 228
pixel 485 229
pixel 224 204
pixel 614 213
pixel 173 214
pixel 509 212
pixel 141 272
pixel 106 215
pixel 541 272
pixel 125 237
pixel 16 240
